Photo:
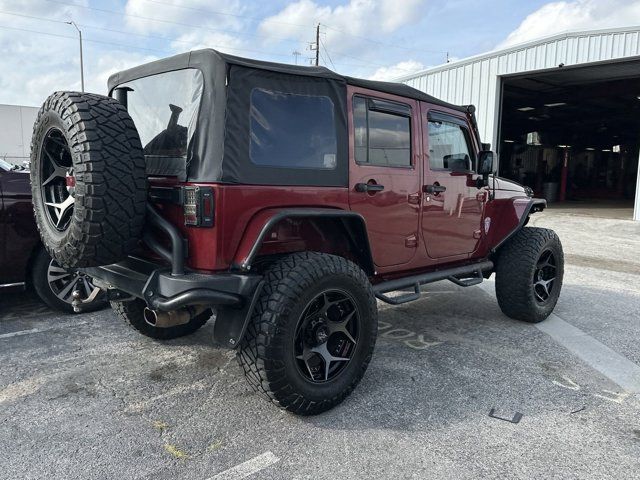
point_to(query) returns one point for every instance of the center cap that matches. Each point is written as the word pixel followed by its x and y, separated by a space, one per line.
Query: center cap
pixel 322 335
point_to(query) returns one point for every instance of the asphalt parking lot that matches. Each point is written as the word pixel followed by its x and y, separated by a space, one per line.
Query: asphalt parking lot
pixel 87 397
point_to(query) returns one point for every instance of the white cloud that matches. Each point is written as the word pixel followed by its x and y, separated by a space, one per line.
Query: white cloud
pixel 192 24
pixel 39 58
pixel 199 13
pixel 344 23
pixel 398 70
pixel 558 17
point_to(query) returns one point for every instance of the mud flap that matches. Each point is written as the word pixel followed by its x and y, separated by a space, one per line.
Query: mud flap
pixel 231 322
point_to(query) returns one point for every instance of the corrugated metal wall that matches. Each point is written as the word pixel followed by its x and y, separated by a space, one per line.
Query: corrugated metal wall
pixel 15 133
pixel 475 80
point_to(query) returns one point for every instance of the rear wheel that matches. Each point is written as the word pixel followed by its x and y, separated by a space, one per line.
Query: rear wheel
pixel 312 335
pixel 529 273
pixel 88 179
pixel 133 313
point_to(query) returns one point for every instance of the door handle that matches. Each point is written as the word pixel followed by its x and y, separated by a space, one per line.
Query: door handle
pixel 368 187
pixel 434 189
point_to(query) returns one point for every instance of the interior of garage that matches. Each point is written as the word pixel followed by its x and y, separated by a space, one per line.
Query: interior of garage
pixel 573 134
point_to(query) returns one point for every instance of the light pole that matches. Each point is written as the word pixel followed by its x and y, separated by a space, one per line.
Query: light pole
pixel 81 62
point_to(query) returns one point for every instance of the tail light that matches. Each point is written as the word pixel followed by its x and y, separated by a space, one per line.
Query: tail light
pixel 198 204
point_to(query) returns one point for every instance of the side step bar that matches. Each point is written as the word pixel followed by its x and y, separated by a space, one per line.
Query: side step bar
pixel 464 276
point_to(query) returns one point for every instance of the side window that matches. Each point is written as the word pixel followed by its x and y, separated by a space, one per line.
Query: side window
pixel 382 133
pixel 292 131
pixel 449 146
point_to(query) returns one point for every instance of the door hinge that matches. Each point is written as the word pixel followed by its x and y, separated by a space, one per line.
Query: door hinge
pixel 413 198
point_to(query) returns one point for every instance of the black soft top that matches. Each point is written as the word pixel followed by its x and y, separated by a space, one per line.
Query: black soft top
pixel 220 147
pixel 214 57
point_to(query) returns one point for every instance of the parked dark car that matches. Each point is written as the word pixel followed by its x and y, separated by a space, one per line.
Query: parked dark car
pixel 23 260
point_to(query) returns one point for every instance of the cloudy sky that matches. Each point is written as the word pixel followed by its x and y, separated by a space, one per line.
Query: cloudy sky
pixel 379 39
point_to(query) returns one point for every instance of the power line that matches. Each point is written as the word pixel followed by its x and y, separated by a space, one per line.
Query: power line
pixel 156 37
pixel 326 50
pixel 86 39
pixel 169 22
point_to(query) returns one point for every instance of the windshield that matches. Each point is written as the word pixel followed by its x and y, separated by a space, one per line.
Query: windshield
pixel 6 165
pixel 164 108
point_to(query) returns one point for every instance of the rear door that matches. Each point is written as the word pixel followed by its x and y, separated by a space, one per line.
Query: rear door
pixel 452 203
pixel 384 175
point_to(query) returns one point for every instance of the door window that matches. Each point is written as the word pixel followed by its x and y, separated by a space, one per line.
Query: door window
pixel 449 147
pixel 382 132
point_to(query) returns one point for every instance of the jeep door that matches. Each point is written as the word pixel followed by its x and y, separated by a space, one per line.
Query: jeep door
pixel 452 204
pixel 384 172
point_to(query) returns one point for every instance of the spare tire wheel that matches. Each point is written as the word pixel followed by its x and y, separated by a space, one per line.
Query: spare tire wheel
pixel 88 179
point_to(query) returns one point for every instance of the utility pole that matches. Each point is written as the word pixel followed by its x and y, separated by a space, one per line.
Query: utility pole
pixel 318 45
pixel 81 60
pixel 296 54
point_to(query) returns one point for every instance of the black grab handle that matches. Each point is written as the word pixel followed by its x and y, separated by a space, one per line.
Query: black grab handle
pixel 434 189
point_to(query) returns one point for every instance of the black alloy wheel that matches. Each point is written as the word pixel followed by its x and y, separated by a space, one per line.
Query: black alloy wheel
pixel 544 277
pixel 327 335
pixel 58 184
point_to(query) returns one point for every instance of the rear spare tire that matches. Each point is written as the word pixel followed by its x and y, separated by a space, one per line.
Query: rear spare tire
pixel 88 179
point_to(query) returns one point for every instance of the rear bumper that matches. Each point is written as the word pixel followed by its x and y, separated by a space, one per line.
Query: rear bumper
pixel 163 291
pixel 233 295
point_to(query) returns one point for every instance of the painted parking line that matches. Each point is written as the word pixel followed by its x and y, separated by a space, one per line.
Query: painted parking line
pixel 39 330
pixel 247 468
pixel 597 355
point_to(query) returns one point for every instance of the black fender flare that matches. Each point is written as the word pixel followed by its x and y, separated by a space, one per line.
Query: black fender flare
pixel 354 226
pixel 535 205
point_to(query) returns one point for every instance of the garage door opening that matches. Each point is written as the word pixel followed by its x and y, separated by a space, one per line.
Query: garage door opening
pixel 573 136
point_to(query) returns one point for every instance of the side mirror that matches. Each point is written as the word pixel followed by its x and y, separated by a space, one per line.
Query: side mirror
pixel 485 166
pixel 485 162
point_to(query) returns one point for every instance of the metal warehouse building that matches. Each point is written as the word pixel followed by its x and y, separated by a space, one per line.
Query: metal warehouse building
pixel 16 127
pixel 563 112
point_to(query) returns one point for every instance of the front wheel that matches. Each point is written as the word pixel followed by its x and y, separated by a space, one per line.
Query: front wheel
pixel 312 334
pixel 529 273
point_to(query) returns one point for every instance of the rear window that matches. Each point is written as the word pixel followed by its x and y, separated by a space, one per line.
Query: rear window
pixel 164 108
pixel 292 131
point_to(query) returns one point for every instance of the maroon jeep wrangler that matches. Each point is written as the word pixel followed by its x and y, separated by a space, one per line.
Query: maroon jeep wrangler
pixel 286 200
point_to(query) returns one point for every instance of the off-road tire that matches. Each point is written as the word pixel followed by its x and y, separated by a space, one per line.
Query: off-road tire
pixel 266 353
pixel 133 313
pixel 39 272
pixel 110 182
pixel 516 266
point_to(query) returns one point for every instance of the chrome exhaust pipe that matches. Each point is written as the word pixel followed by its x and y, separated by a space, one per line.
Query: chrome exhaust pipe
pixel 173 318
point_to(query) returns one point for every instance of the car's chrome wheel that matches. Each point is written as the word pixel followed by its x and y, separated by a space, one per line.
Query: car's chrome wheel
pixel 63 282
